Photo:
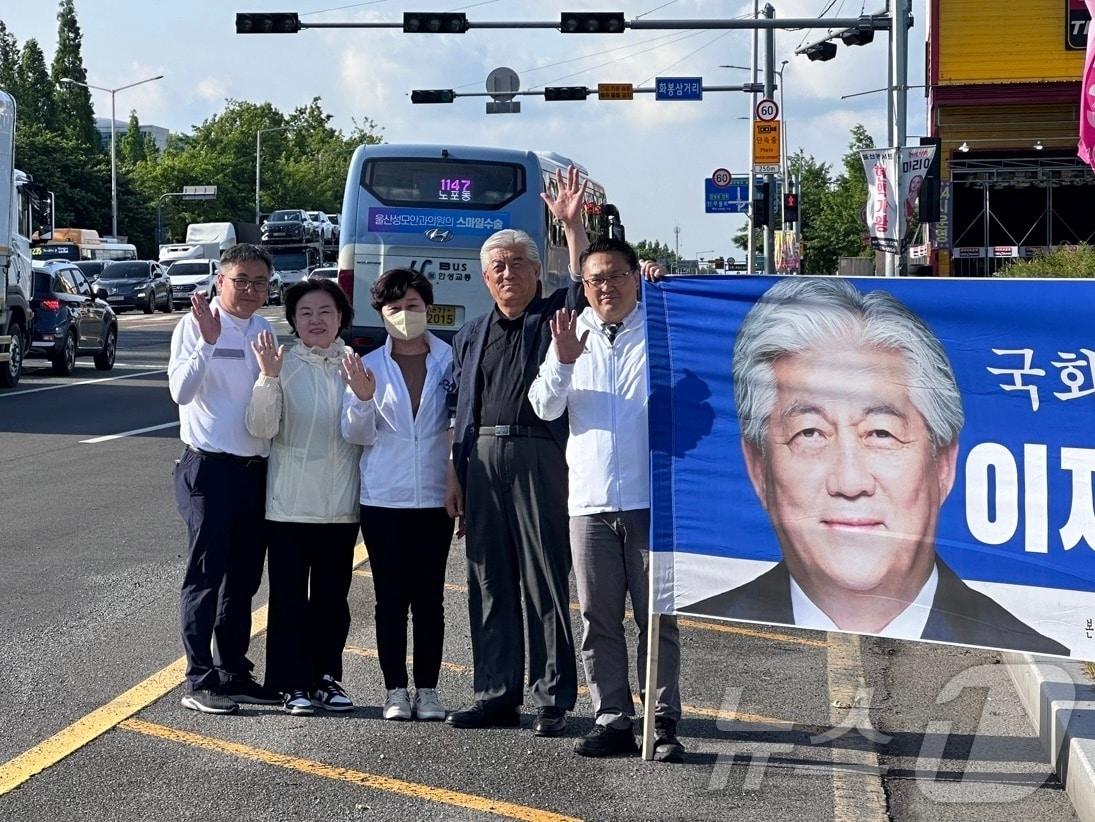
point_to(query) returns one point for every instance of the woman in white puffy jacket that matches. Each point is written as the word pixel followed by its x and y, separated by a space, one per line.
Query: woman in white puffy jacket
pixel 396 406
pixel 311 498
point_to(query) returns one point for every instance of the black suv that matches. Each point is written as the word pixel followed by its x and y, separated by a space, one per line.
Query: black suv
pixel 288 225
pixel 135 284
pixel 69 321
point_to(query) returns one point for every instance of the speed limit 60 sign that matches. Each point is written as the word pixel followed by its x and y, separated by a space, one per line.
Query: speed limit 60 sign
pixel 721 177
pixel 767 109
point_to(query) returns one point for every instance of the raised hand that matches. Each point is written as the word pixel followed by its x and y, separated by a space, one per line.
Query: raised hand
pixel 564 328
pixel 651 271
pixel 567 204
pixel 359 378
pixel 270 355
pixel 209 320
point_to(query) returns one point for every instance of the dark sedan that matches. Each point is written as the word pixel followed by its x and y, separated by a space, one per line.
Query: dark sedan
pixel 135 284
pixel 69 321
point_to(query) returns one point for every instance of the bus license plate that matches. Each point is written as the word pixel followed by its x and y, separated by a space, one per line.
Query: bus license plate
pixel 441 315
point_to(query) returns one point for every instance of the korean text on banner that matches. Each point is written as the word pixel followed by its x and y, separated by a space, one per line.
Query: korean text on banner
pixel 1087 96
pixel 884 221
pixel 877 457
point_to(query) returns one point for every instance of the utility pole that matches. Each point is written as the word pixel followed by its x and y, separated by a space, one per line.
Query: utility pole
pixel 677 242
pixel 751 246
pixel 899 92
pixel 770 179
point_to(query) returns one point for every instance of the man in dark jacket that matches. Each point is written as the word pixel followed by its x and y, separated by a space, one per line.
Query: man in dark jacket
pixel 510 484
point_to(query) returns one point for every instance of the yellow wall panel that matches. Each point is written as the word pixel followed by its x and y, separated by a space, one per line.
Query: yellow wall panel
pixel 1014 41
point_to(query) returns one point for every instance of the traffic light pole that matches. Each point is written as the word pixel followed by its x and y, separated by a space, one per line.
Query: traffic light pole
pixel 751 245
pixel 770 179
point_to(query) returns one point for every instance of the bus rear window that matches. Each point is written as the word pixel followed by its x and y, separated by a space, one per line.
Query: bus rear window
pixel 427 183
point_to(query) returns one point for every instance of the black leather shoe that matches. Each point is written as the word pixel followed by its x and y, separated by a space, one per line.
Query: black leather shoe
pixel 667 748
pixel 550 721
pixel 485 715
pixel 606 741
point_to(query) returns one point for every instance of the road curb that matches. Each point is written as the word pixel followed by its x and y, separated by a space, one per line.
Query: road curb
pixel 1060 701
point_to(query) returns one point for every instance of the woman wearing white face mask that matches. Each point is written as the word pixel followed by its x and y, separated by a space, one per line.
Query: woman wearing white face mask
pixel 396 406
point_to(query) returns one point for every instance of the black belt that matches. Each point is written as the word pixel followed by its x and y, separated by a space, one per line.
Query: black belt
pixel 221 455
pixel 515 431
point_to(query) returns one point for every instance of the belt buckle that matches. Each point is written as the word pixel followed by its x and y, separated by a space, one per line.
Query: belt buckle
pixel 503 430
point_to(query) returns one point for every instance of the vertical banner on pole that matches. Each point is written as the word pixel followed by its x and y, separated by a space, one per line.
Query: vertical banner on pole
pixel 1087 96
pixel 884 220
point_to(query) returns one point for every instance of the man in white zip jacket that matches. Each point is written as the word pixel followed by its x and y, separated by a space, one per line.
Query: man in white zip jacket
pixel 596 371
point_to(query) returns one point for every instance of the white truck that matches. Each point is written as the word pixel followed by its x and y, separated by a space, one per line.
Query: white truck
pixel 19 197
pixel 204 241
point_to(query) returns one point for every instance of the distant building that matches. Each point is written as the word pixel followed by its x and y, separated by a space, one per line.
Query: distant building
pixel 102 124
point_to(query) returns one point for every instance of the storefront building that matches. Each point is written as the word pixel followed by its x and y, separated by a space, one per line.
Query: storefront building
pixel 1004 99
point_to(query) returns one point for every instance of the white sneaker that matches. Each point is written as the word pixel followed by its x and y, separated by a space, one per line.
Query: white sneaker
pixel 398 704
pixel 427 705
pixel 330 696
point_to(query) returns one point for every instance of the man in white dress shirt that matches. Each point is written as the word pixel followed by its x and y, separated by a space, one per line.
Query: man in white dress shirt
pixel 596 371
pixel 220 482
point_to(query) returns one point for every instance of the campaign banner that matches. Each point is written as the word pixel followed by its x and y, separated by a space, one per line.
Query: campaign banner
pixel 884 222
pixel 915 161
pixel 412 220
pixel 1087 95
pixel 906 458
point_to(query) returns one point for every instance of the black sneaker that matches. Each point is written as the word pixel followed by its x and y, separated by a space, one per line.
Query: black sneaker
pixel 298 703
pixel 246 691
pixel 209 702
pixel 667 748
pixel 604 740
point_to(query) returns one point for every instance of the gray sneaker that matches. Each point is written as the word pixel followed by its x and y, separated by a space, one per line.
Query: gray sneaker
pixel 209 702
pixel 427 705
pixel 398 704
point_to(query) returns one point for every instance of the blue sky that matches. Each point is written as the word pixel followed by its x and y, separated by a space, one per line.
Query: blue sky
pixel 651 156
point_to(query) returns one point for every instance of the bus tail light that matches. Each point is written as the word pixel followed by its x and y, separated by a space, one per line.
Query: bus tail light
pixel 346 283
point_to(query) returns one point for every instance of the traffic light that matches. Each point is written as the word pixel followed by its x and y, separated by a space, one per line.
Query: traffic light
pixel 857 36
pixel 821 51
pixel 287 22
pixel 790 207
pixel 434 22
pixel 762 205
pixel 719 263
pixel 592 22
pixel 566 93
pixel 433 95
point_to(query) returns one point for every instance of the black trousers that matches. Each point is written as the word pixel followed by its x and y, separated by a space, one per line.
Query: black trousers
pixel 408 550
pixel 518 546
pixel 310 569
pixel 223 503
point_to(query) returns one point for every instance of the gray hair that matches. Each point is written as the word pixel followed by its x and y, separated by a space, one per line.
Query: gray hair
pixel 509 238
pixel 800 313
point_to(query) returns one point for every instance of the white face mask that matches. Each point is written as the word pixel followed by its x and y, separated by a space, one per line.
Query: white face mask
pixel 405 325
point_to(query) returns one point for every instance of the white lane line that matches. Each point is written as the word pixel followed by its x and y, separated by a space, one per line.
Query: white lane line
pixel 109 437
pixel 159 365
pixel 82 382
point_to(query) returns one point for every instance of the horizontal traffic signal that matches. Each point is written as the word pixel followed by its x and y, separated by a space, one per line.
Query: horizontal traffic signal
pixel 434 22
pixel 433 95
pixel 566 93
pixel 821 51
pixel 857 36
pixel 287 22
pixel 592 22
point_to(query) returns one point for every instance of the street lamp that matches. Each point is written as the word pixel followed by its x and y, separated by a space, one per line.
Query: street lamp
pixel 258 164
pixel 113 142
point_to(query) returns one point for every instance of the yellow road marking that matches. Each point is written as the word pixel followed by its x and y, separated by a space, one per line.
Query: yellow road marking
pixel 365 780
pixel 67 741
pixel 684 622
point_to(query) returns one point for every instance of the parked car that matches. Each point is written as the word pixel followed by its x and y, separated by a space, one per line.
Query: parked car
pixel 188 276
pixel 135 284
pixel 289 225
pixel 336 221
pixel 276 289
pixel 93 269
pixel 325 272
pixel 326 229
pixel 69 320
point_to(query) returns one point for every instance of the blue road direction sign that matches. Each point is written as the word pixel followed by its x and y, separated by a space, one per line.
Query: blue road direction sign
pixel 731 199
pixel 678 88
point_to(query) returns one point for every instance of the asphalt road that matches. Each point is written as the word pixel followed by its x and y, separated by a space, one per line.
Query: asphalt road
pixel 778 724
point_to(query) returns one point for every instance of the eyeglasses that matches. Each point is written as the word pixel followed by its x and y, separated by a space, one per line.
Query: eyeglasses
pixel 242 283
pixel 612 280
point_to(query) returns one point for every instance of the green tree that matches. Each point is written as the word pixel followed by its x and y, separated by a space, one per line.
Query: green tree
pixel 9 59
pixel 133 142
pixel 33 89
pixel 655 250
pixel 1065 261
pixel 814 179
pixel 75 115
pixel 78 176
pixel 840 230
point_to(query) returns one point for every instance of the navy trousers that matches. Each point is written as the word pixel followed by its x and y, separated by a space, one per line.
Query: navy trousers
pixel 222 500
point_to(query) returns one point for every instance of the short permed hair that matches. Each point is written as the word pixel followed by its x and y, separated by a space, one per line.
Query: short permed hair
pixel 394 283
pixel 610 245
pixel 309 284
pixel 247 253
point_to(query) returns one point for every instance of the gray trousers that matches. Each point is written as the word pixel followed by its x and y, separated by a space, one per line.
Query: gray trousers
pixel 611 561
pixel 516 519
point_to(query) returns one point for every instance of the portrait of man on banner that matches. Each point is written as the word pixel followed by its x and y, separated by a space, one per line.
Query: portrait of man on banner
pixel 850 414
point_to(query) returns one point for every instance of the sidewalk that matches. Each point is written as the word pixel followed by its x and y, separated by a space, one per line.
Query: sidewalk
pixel 1059 698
